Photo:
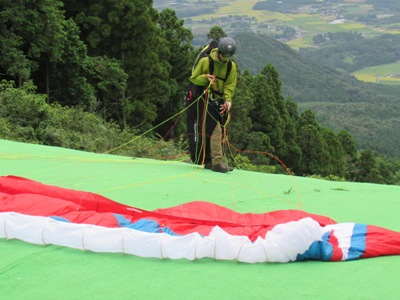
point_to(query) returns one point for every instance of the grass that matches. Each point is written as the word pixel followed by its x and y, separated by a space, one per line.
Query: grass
pixel 383 74
pixel 301 42
pixel 244 8
pixel 37 272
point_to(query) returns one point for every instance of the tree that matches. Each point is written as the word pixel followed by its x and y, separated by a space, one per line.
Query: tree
pixel 38 43
pixel 30 33
pixel 23 110
pixel 288 149
pixel 14 63
pixel 350 153
pixel 387 170
pixel 292 109
pixel 127 30
pixel 307 117
pixel 242 136
pixel 109 80
pixel 181 57
pixel 64 79
pixel 242 107
pixel 315 156
pixel 266 116
pixel 216 33
pixel 368 168
pixel 259 149
pixel 337 164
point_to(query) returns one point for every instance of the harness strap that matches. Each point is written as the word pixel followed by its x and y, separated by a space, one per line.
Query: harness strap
pixel 211 68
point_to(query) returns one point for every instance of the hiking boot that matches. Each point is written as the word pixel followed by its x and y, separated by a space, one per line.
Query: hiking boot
pixel 221 168
pixel 208 166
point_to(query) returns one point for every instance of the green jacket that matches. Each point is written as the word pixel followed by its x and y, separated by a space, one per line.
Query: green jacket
pixel 199 75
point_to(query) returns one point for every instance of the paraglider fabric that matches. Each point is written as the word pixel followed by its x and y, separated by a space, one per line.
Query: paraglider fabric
pixel 43 214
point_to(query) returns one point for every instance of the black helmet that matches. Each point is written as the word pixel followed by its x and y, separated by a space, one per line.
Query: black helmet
pixel 227 47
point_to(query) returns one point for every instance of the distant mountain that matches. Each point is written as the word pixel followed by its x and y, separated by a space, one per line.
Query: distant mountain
pixel 370 112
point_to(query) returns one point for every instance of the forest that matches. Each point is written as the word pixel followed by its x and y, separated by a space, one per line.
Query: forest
pixel 110 77
pixel 350 51
pixel 369 111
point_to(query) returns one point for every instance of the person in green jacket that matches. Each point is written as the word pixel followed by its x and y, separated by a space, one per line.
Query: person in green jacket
pixel 204 118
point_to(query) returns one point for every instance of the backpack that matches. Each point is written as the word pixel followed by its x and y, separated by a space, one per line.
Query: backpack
pixel 206 52
pixel 194 91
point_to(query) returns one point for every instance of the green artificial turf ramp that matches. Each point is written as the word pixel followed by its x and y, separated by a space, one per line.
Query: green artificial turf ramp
pixel 52 272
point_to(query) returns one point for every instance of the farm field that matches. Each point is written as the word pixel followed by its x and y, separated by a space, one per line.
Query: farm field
pixel 306 20
pixel 242 8
pixel 385 74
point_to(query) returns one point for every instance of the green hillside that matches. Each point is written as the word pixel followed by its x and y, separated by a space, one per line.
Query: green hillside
pixel 370 112
pixel 351 52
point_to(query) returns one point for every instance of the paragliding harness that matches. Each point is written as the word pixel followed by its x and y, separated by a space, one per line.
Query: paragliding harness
pixel 200 126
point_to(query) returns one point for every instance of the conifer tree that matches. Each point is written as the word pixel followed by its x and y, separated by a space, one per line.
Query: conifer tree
pixel 315 156
pixel 366 168
pixel 181 57
pixel 109 81
pixel 288 150
pixel 216 33
pixel 127 30
pixel 265 116
pixel 39 43
pixel 350 153
pixel 241 119
pixel 336 165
